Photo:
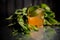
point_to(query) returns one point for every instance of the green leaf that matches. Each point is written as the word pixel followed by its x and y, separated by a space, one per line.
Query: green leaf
pixel 45 6
pixel 35 28
pixel 52 21
pixel 32 9
pixel 18 11
pixel 9 18
pixel 11 24
pixel 24 10
pixel 46 22
pixel 21 22
pixel 50 14
pixel 45 15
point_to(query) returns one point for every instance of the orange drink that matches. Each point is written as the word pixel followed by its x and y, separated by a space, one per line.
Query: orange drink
pixel 37 20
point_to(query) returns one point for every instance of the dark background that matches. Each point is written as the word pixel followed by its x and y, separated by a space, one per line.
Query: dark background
pixel 7 8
